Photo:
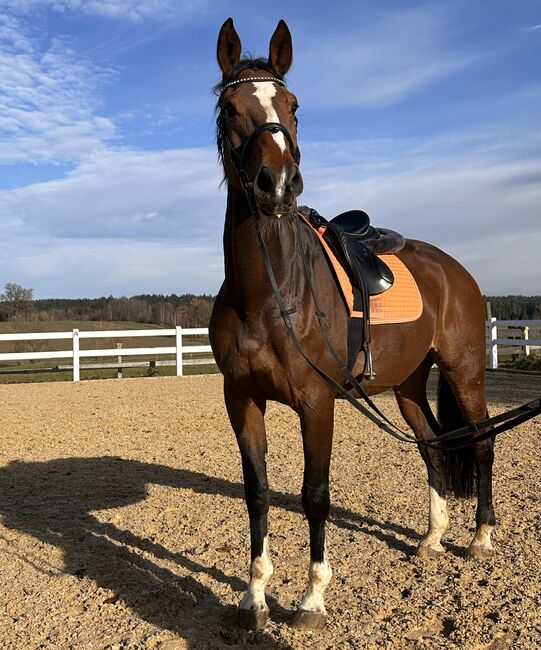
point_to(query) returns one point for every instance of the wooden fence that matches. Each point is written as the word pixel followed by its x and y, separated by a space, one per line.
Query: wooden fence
pixel 522 341
pixel 75 354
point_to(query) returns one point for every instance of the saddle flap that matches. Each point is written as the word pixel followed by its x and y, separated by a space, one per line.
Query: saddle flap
pixel 366 268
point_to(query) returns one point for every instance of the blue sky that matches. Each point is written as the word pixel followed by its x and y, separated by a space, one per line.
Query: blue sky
pixel 425 114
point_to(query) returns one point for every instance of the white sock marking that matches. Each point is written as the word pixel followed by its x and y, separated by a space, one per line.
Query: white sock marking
pixel 260 573
pixel 319 576
pixel 482 536
pixel 438 520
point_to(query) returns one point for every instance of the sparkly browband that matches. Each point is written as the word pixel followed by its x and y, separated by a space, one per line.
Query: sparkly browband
pixel 247 79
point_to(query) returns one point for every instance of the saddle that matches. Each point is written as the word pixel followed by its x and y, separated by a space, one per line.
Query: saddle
pixel 357 244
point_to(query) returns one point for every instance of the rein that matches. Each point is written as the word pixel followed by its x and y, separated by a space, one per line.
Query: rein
pixel 454 440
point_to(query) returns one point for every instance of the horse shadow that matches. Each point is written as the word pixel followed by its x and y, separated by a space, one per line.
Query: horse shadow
pixel 54 500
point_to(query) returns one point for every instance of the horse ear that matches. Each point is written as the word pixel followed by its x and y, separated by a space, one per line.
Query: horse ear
pixel 229 47
pixel 281 49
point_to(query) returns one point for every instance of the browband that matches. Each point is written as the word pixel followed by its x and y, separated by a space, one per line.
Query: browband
pixel 247 79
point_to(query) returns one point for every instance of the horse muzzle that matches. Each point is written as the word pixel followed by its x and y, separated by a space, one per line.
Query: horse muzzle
pixel 277 188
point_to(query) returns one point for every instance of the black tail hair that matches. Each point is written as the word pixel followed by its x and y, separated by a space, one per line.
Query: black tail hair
pixel 460 466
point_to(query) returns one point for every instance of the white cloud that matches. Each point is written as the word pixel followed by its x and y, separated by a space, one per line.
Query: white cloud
pixel 481 206
pixel 123 223
pixel 61 268
pixel 48 100
pixel 377 63
pixel 134 10
pixel 128 195
pixel 126 221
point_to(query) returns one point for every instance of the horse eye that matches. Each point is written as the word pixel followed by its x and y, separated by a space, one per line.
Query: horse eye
pixel 229 110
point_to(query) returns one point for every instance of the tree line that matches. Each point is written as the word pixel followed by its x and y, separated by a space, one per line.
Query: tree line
pixel 515 307
pixel 189 310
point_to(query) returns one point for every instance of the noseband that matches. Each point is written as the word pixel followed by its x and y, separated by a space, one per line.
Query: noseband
pixel 239 155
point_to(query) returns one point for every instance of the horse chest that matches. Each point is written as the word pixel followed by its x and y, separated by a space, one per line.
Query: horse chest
pixel 249 357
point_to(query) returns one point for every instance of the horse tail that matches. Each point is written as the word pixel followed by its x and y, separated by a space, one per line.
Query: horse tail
pixel 460 466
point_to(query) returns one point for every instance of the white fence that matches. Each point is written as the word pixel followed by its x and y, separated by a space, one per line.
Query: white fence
pixel 76 354
pixel 524 341
pixel 179 350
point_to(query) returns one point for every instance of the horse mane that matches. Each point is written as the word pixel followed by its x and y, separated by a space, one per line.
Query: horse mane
pixel 249 62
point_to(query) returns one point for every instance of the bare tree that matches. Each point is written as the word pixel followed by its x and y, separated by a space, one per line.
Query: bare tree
pixel 16 300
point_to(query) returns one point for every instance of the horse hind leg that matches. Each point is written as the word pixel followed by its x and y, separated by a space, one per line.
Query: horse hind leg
pixel 461 400
pixel 414 406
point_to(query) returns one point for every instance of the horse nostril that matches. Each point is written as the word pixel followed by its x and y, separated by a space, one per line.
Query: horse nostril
pixel 265 181
pixel 296 183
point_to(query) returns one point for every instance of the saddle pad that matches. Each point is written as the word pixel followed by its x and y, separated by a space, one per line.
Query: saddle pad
pixel 402 303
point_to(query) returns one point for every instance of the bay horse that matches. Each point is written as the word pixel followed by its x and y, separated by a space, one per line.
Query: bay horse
pixel 257 142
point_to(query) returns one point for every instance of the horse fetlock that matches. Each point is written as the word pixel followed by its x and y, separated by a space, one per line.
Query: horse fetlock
pixel 319 576
pixel 481 545
pixel 261 570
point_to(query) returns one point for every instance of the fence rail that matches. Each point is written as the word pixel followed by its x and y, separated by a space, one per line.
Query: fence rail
pixel 179 350
pixel 524 341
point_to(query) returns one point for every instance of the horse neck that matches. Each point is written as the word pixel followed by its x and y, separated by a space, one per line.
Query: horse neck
pixel 246 277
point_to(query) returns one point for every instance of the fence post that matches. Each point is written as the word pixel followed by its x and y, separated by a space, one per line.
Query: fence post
pixel 119 359
pixel 76 372
pixel 527 338
pixel 493 345
pixel 178 341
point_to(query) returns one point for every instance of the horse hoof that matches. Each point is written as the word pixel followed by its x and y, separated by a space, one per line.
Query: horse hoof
pixel 251 619
pixel 478 552
pixel 430 551
pixel 305 620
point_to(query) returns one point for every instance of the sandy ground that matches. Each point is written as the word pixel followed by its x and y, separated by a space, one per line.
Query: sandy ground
pixel 123 526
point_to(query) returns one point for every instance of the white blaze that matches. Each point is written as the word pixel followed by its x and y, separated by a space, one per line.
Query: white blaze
pixel 265 91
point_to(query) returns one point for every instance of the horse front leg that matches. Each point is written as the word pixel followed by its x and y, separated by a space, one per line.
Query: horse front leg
pixel 247 419
pixel 317 432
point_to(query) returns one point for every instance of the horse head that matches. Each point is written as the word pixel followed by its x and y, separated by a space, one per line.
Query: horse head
pixel 257 127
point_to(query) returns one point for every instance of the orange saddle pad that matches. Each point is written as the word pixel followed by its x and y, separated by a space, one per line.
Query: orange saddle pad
pixel 402 303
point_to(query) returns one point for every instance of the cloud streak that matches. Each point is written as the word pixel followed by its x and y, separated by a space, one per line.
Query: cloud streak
pixel 124 194
pixel 136 11
pixel 379 63
pixel 48 100
pixel 159 216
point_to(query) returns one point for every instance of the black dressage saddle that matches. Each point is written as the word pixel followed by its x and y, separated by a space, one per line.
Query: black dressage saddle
pixel 358 244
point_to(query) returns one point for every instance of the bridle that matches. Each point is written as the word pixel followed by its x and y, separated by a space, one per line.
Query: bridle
pixel 239 155
pixel 453 440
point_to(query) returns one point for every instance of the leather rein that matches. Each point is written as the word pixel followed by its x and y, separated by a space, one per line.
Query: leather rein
pixel 457 439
